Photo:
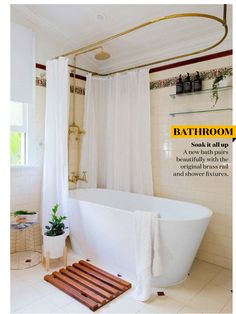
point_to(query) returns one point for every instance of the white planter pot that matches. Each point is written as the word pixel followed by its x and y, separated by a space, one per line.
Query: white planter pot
pixel 54 245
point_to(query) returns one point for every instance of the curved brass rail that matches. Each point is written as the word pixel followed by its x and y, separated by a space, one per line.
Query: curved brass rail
pixel 168 17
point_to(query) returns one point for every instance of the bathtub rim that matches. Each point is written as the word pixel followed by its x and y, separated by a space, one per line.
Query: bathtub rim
pixel 208 210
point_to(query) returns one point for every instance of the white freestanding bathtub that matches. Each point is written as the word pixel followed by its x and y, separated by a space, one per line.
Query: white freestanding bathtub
pixel 102 229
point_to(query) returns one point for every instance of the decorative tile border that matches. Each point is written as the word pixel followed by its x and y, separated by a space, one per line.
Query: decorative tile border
pixel 78 90
pixel 205 75
pixel 41 81
pixel 171 81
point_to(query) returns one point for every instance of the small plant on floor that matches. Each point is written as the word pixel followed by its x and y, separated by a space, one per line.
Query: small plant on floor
pixel 56 224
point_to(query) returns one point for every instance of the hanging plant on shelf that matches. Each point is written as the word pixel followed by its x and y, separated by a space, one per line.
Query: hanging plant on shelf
pixel 216 83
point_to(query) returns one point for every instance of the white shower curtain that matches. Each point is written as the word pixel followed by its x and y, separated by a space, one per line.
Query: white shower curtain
pixel 55 171
pixel 116 149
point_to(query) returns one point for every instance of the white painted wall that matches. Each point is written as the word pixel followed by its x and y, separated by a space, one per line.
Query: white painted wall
pixel 46 46
pixel 212 192
pixel 26 181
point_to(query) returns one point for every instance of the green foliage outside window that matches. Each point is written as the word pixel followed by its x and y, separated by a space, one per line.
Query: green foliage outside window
pixel 17 157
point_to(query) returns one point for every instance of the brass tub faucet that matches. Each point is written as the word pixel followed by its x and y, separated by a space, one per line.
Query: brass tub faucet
pixel 78 177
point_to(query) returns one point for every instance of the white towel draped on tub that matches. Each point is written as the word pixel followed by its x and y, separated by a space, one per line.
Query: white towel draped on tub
pixel 147 251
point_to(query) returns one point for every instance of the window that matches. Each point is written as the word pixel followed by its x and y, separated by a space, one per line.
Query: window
pixel 23 140
pixel 19 134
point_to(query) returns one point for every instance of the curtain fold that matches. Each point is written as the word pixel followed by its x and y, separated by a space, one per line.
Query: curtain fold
pixel 116 149
pixel 55 171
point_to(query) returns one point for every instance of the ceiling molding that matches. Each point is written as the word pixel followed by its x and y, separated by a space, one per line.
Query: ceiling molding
pixel 44 24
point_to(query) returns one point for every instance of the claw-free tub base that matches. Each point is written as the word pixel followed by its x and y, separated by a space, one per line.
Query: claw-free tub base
pixel 102 229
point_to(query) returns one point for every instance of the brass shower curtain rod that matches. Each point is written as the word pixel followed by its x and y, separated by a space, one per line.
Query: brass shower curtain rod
pixel 98 44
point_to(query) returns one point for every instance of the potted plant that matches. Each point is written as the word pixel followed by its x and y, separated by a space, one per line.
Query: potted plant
pixel 55 235
pixel 222 80
pixel 24 216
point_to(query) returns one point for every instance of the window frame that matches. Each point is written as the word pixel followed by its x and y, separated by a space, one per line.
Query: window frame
pixel 27 128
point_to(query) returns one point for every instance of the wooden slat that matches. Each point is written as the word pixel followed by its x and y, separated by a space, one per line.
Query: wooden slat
pixel 72 292
pixel 99 276
pixel 88 284
pixel 83 290
pixel 99 283
pixel 105 273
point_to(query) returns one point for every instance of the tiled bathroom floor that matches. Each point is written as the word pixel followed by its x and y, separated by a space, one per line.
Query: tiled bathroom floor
pixel 206 290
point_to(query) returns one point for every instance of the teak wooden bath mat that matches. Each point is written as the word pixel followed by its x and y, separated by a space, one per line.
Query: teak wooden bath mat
pixel 88 284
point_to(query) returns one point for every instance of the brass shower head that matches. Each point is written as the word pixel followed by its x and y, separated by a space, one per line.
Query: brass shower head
pixel 102 55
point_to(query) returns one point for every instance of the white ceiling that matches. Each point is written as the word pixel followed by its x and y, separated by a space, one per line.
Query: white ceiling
pixel 74 26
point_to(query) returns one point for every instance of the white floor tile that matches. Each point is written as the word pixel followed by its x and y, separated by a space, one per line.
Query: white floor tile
pixel 23 297
pixel 187 309
pixel 32 275
pixel 185 291
pixel 129 293
pixel 204 271
pixel 162 304
pixel 40 306
pixel 43 287
pixel 57 311
pixel 210 299
pixel 14 274
pixel 59 298
pixel 223 279
pixel 75 307
pixel 122 305
pixel 17 284
pixel 227 308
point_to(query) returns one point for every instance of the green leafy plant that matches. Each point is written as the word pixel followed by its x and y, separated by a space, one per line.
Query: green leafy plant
pixel 23 212
pixel 56 224
pixel 215 85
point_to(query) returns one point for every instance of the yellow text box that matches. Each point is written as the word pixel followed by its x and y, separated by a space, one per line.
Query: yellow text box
pixel 203 131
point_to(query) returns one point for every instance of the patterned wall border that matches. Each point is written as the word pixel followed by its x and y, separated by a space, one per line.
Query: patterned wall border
pixel 78 90
pixel 41 81
pixel 171 81
pixel 205 75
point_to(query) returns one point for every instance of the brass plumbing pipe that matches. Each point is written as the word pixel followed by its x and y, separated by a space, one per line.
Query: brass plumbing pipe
pixel 75 177
pixel 95 45
pixel 73 102
pixel 167 17
pixel 82 69
pixel 74 91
